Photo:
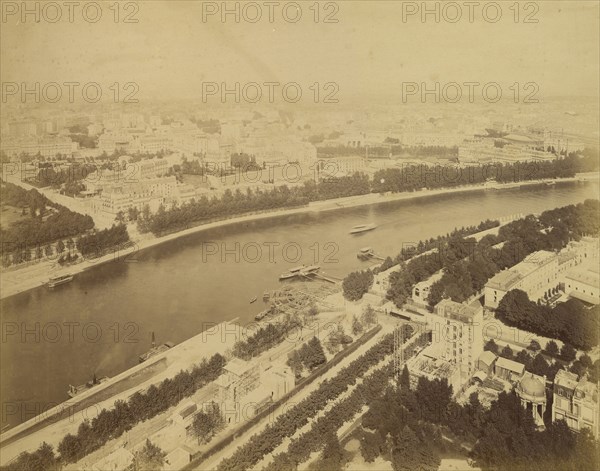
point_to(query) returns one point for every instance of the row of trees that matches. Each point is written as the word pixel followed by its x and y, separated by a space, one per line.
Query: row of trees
pixel 398 180
pixel 110 424
pixel 266 337
pixel 418 263
pixel 571 322
pixel 98 242
pixel 46 222
pixel 286 424
pixel 323 434
pixel 415 177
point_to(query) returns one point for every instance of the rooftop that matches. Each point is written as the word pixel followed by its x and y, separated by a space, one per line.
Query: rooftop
pixel 532 385
pixel 508 278
pixel 510 365
pixel 487 357
pixel 586 275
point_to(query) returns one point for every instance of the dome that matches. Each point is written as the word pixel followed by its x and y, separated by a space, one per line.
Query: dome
pixel 533 386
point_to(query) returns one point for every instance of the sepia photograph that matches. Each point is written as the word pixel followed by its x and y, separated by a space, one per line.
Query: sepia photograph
pixel 312 235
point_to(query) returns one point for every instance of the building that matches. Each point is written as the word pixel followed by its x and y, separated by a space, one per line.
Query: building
pixel 537 275
pixel 575 401
pixel 486 362
pixel 122 196
pixel 420 291
pixel 531 389
pixel 583 283
pixel 184 415
pixel 111 142
pixel 460 331
pixel 48 146
pixel 342 166
pixel 509 370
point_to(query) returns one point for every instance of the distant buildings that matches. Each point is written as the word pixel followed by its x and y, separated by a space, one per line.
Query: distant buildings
pixel 575 401
pixel 342 166
pixel 47 146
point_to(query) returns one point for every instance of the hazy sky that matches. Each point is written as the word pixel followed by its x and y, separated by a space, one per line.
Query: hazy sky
pixel 370 51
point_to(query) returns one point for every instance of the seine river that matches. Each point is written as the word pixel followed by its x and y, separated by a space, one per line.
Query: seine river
pixel 102 321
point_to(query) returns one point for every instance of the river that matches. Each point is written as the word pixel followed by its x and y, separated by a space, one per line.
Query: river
pixel 102 321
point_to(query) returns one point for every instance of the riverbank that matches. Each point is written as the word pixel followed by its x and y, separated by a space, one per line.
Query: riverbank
pixel 28 278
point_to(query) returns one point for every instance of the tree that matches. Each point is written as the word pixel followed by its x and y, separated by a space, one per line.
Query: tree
pixel 295 363
pixel 539 365
pixel 60 246
pixel 356 284
pixel 507 352
pixel 206 424
pixel 369 446
pixel 357 327
pixel 149 458
pixel 551 349
pixel 333 455
pixel 491 346
pixel 405 379
pixel 534 345
pixel 585 360
pixel 120 217
pixel 568 353
pixel 368 317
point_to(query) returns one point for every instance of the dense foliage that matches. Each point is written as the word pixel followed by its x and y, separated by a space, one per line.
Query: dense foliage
pixel 308 357
pixel 357 284
pixel 207 422
pixel 45 222
pixel 266 337
pixel 551 231
pixel 570 322
pixel 504 436
pixel 97 243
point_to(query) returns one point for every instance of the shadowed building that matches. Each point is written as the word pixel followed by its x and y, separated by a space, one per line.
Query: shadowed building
pixel 575 401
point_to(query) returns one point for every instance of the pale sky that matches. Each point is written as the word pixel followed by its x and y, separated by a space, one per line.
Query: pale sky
pixel 370 51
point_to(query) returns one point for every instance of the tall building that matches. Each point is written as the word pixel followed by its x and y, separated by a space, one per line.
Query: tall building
pixel 459 328
pixel 575 401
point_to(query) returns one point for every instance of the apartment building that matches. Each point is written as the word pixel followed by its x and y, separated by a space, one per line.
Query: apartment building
pixel 459 328
pixel 575 401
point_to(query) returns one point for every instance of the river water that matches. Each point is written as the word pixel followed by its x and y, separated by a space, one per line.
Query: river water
pixel 102 321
